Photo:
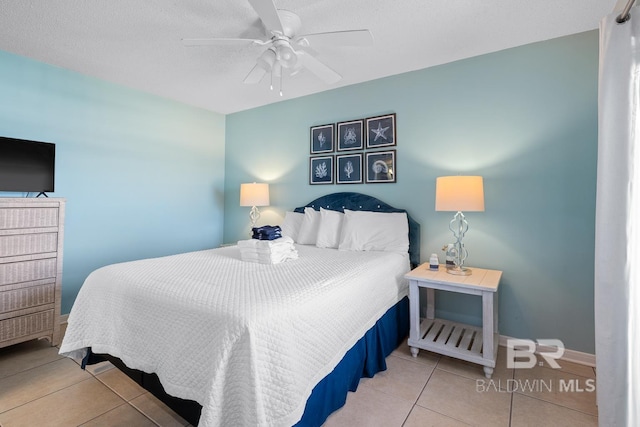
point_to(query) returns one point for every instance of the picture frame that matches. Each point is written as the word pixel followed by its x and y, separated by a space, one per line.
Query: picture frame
pixel 350 135
pixel 322 139
pixel 321 170
pixel 381 166
pixel 381 131
pixel 349 169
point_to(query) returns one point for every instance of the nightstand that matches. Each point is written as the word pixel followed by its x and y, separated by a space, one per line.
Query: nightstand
pixel 466 342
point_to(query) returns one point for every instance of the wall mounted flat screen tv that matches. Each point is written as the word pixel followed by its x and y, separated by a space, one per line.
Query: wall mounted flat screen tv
pixel 27 166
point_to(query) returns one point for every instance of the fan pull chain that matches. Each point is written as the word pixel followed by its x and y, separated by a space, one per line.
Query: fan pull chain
pixel 271 85
pixel 281 82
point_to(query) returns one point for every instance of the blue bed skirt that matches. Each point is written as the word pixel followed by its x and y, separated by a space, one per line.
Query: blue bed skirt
pixel 364 359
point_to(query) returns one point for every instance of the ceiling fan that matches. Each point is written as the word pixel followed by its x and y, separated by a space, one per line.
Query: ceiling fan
pixel 286 50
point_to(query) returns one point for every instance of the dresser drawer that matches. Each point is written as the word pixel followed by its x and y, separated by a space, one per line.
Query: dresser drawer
pixel 12 218
pixel 27 271
pixel 32 296
pixel 26 244
pixel 22 326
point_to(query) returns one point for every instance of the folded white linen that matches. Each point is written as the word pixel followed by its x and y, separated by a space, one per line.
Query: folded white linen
pixel 274 250
pixel 267 251
pixel 268 259
pixel 264 244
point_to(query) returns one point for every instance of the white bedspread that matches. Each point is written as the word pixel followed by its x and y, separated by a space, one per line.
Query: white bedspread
pixel 247 341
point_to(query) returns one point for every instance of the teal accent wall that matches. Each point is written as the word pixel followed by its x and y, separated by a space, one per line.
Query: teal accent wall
pixel 143 176
pixel 524 118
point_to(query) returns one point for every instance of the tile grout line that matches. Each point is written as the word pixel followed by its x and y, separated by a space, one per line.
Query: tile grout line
pixel 99 415
pixel 555 404
pixel 513 377
pixel 126 402
pixel 31 368
pixel 425 386
pixel 45 395
pixel 511 409
pixel 419 394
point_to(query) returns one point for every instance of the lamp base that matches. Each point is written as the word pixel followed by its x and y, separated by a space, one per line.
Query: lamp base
pixel 459 226
pixel 459 271
pixel 254 215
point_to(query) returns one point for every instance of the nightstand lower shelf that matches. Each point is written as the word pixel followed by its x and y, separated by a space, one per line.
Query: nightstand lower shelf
pixel 453 339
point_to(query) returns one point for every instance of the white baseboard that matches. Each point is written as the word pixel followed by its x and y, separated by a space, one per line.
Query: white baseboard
pixel 64 318
pixel 573 356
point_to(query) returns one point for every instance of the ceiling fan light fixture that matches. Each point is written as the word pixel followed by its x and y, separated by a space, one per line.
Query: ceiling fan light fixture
pixel 285 55
pixel 267 59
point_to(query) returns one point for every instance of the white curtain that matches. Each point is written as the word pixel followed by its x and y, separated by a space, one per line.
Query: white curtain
pixel 617 251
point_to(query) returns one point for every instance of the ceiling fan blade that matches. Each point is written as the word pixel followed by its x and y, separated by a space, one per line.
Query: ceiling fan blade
pixel 268 13
pixel 340 38
pixel 321 70
pixel 218 41
pixel 255 75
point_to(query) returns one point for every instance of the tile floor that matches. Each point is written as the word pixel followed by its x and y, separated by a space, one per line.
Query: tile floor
pixel 38 387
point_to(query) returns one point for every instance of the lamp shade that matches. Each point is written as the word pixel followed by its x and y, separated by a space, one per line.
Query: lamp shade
pixel 459 193
pixel 254 194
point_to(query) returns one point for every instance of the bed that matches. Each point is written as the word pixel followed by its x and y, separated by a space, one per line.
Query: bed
pixel 225 342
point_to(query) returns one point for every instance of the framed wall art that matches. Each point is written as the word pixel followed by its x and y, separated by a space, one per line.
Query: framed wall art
pixel 381 166
pixel 321 170
pixel 350 135
pixel 322 139
pixel 349 169
pixel 381 131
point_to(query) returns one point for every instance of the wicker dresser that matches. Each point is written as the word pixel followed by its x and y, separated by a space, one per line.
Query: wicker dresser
pixel 31 237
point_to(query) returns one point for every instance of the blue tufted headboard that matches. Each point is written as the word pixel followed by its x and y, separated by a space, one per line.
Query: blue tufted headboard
pixel 362 202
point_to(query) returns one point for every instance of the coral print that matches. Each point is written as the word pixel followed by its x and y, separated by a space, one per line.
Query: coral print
pixel 321 170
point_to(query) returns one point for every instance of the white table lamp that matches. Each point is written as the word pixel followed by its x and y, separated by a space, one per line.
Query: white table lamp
pixel 254 195
pixel 457 194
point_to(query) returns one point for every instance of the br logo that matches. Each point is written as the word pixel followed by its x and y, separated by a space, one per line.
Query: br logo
pixel 525 352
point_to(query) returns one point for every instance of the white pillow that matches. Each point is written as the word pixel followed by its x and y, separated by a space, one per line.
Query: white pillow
pixel 330 228
pixel 308 233
pixel 291 224
pixel 374 231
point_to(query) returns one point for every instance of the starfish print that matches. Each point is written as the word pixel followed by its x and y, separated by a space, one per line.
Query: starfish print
pixel 380 132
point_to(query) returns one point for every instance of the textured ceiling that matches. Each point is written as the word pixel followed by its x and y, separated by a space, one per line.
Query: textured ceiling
pixel 138 43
